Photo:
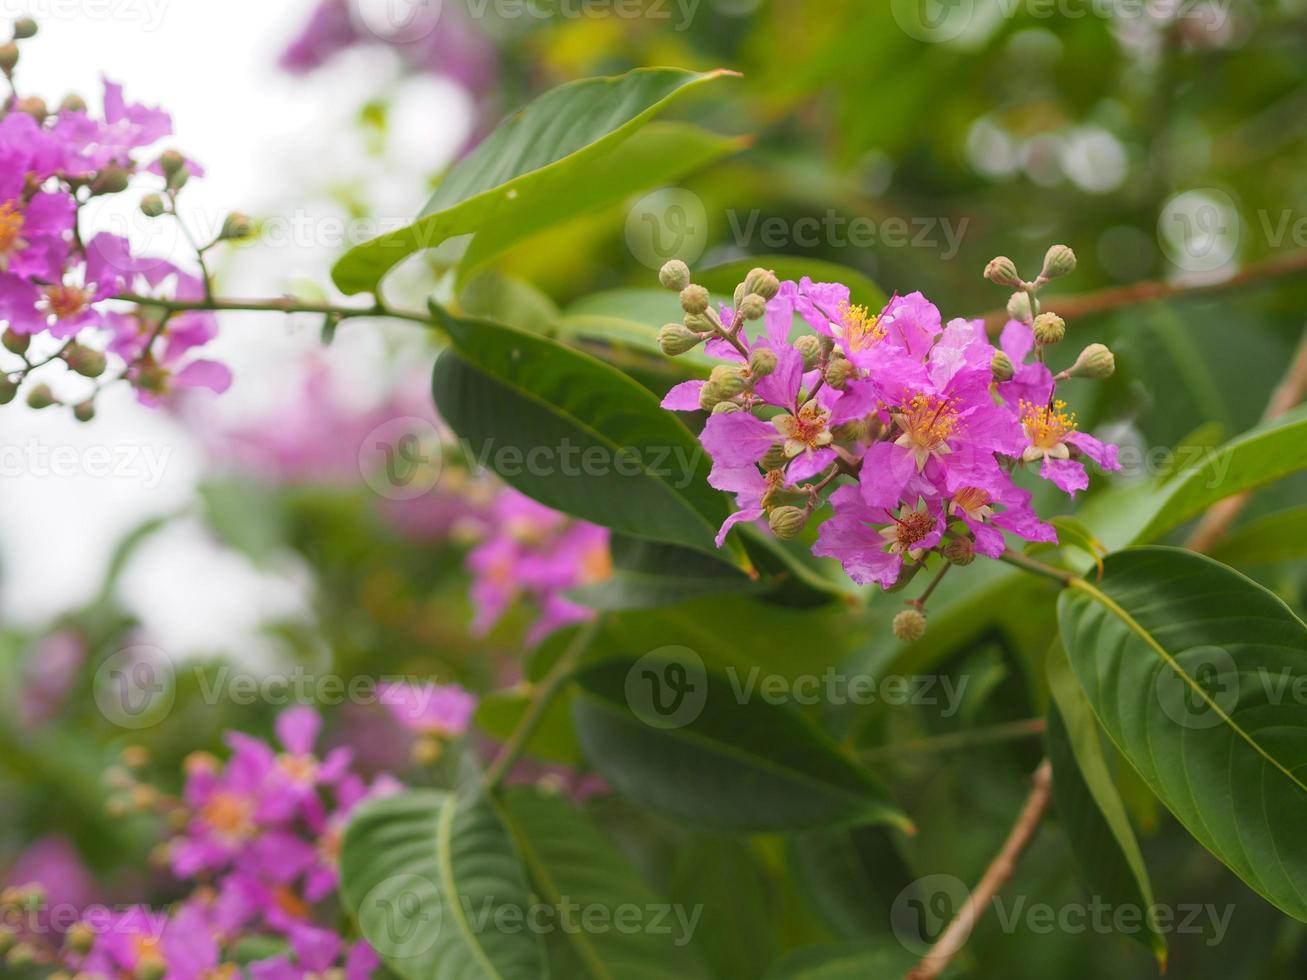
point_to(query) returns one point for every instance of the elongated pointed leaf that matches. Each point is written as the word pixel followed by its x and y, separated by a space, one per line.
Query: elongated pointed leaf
pixel 610 924
pixel 576 434
pixel 431 878
pixel 685 742
pixel 519 165
pixel 1090 808
pixel 871 960
pixel 648 575
pixel 658 154
pixel 1281 536
pixel 1194 671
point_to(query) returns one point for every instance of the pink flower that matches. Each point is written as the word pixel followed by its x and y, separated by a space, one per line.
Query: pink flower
pixel 429 709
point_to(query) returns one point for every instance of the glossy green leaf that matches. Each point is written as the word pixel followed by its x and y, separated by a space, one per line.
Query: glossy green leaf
pixel 1089 805
pixel 432 879
pixel 518 167
pixel 694 745
pixel 576 434
pixel 719 876
pixel 660 153
pixel 591 886
pixel 499 713
pixel 851 876
pixel 1196 673
pixel 648 575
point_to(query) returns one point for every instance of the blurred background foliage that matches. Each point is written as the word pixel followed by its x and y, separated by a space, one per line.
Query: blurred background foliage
pixel 1149 144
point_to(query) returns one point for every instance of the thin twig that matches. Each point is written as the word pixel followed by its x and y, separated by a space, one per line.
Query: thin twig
pixel 1005 732
pixel 1120 297
pixel 1287 394
pixel 996 875
pixel 283 304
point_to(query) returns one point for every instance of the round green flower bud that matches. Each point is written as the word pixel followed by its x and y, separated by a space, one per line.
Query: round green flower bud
pixel 810 347
pixel 1058 261
pixel 21 956
pixel 694 298
pixel 839 371
pixel 150 970
pixel 1049 329
pixel 1095 362
pixel 762 362
pixel 110 180
pixel 237 227
pixel 855 430
pixel 86 361
pixel 1002 367
pixel 726 408
pixel 674 274
pixel 84 411
pixel 753 306
pixel 1002 271
pixel 1018 307
pixel 8 390
pixel 24 27
pixel 41 397
pixel 787 522
pixel 72 103
pixel 762 282
pixel 8 57
pixel 960 551
pixel 728 379
pixel 675 339
pixel 171 162
pixel 34 106
pixel 710 396
pixel 16 343
pixel 80 938
pixel 774 458
pixel 909 625
pixel 152 205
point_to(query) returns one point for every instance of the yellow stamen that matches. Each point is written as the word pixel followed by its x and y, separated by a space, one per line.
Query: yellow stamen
pixel 11 232
pixel 927 422
pixel 230 815
pixel 858 327
pixel 1047 426
pixel 806 431
pixel 973 502
pixel 66 301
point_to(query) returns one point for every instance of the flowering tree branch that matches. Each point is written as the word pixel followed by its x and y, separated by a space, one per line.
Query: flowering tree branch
pixel 284 304
pixel 996 875
pixel 1135 294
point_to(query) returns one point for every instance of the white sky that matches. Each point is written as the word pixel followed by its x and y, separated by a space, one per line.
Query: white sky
pixel 271 146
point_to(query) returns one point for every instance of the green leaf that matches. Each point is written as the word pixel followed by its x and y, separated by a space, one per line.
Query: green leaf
pixel 1281 536
pixel 524 162
pixel 671 736
pixel 659 154
pixel 553 740
pixel 851 875
pixel 862 290
pixel 586 880
pixel 718 875
pixel 872 960
pixel 1194 671
pixel 1091 810
pixel 430 877
pixel 576 434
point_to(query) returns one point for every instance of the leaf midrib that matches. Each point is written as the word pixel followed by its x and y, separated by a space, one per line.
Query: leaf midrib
pixel 1134 626
pixel 445 864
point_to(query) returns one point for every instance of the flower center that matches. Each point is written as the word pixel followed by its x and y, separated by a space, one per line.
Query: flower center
pixel 301 769
pixel 913 527
pixel 805 431
pixel 230 815
pixel 972 501
pixel 596 565
pixel 1046 427
pixel 858 327
pixel 11 230
pixel 66 301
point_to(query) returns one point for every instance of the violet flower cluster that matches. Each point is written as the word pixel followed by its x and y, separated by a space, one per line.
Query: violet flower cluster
pixel 57 279
pixel 530 552
pixel 916 427
pixel 260 836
